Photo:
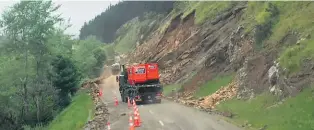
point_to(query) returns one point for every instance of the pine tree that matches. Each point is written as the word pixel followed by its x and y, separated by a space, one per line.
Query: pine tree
pixel 65 78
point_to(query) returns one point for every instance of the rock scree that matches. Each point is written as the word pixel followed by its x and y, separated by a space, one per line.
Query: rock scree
pixel 101 113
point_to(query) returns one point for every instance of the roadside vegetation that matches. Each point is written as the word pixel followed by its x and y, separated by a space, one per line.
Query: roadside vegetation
pixel 42 68
pixel 167 90
pixel 75 115
pixel 295 113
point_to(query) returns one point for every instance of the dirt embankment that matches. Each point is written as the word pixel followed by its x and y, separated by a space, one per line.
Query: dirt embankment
pixel 101 112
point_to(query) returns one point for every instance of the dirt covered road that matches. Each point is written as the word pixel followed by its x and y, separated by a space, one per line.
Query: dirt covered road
pixel 165 116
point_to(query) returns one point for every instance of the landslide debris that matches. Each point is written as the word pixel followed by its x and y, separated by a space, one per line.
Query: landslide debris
pixel 209 102
pixel 101 114
pixel 222 94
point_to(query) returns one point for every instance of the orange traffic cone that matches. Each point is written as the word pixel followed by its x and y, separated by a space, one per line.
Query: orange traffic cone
pixel 134 103
pixel 116 101
pixel 129 104
pixel 131 125
pixel 134 106
pixel 99 92
pixel 108 126
pixel 136 121
pixel 138 116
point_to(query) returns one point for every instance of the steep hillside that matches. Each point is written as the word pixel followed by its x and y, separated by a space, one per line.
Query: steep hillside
pixel 135 31
pixel 242 59
pixel 105 25
pixel 260 52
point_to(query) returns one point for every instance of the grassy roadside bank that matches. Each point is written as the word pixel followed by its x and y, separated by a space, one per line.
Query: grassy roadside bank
pixel 264 111
pixel 75 115
pixel 295 113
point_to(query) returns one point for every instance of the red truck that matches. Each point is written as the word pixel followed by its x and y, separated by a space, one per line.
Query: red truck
pixel 140 82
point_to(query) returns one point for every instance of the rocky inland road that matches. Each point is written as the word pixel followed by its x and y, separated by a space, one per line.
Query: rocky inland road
pixel 165 116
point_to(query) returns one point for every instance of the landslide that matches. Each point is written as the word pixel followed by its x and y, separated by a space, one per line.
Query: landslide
pixel 207 49
pixel 246 59
pixel 256 42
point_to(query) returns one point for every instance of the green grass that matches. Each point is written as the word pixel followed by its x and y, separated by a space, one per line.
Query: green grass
pixel 253 15
pixel 128 42
pixel 293 57
pixel 213 85
pixel 296 16
pixel 206 10
pixel 209 10
pixel 130 33
pixel 203 11
pixel 190 6
pixel 293 17
pixel 74 116
pixel 168 89
pixel 295 113
pixel 109 50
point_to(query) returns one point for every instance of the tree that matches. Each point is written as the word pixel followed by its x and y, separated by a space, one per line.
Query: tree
pixel 40 66
pixel 86 58
pixel 28 25
pixel 65 78
pixel 100 56
pixel 105 25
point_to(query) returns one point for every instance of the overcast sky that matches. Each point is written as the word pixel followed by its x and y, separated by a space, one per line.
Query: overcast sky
pixel 78 11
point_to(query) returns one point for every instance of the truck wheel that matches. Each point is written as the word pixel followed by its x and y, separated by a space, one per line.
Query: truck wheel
pixel 123 98
pixel 126 99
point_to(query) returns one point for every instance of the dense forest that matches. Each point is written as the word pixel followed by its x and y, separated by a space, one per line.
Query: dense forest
pixel 41 68
pixel 105 25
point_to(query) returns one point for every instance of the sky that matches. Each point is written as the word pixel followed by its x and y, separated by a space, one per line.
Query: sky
pixel 79 11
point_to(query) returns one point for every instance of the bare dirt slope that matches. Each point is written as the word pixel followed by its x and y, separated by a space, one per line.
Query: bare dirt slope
pixel 185 48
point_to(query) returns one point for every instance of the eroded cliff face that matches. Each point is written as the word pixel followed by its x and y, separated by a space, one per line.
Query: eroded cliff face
pixel 184 48
pixel 192 54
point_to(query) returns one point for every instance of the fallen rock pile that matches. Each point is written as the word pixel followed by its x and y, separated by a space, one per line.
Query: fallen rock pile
pixel 101 112
pixel 222 94
pixel 209 102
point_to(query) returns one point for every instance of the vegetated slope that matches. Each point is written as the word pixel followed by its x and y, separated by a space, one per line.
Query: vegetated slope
pixel 75 115
pixel 135 31
pixel 105 25
pixel 264 46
